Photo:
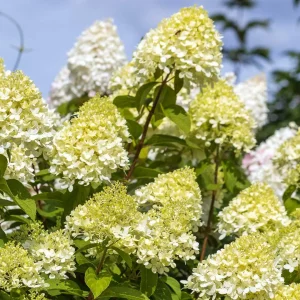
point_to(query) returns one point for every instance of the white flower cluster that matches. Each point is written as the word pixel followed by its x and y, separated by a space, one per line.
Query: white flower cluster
pixel 244 269
pixel 287 160
pixel 173 202
pixel 97 54
pixel 288 292
pixel 54 254
pixel 187 42
pixel 219 116
pixel 259 164
pixel 90 148
pixel 124 81
pixel 253 92
pixel 20 166
pixel 24 117
pixel 288 247
pixel 254 208
pixel 17 269
pixel 62 89
pixel 110 215
pixel 155 225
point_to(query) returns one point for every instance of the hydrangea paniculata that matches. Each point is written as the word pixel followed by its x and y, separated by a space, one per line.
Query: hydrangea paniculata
pixel 24 117
pixel 288 292
pixel 244 269
pixel 187 42
pixel 218 116
pixel 254 208
pixel 96 55
pixel 253 93
pixel 20 166
pixel 287 160
pixel 17 269
pixel 110 215
pixel 53 253
pixel 90 148
pixel 259 164
pixel 173 205
pixel 288 246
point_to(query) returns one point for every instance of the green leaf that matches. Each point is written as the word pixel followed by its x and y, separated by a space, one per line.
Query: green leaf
pixel 179 116
pixel 142 172
pixel 4 296
pixel 186 296
pixel 126 257
pixel 97 283
pixel 28 206
pixel 67 287
pixel 178 82
pixel 135 129
pixel 148 281
pixel 3 165
pixel 194 143
pixel 82 260
pixel 4 202
pixel 43 172
pixel 288 192
pixel 125 101
pixel 86 247
pixel 174 284
pixel 291 205
pixel 49 214
pixel 3 235
pixel 4 188
pixel 78 196
pixel 162 291
pixel 230 179
pixel 18 219
pixel 167 97
pixel 18 189
pixel 143 92
pixel 124 293
pixel 165 140
pixel 158 72
pixel 58 196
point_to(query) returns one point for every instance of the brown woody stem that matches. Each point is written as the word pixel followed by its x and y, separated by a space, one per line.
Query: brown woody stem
pixel 145 130
pixel 212 204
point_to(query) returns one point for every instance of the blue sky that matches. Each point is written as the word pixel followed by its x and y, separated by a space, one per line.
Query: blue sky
pixel 51 28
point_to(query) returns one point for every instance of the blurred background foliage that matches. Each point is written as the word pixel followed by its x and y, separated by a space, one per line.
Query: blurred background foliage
pixel 284 94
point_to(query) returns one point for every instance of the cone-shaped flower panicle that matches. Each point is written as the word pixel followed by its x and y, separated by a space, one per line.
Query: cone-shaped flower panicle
pixel 110 215
pixel 96 55
pixel 24 117
pixel 219 116
pixel 90 148
pixel 17 269
pixel 173 205
pixel 254 208
pixel 187 42
pixel 244 269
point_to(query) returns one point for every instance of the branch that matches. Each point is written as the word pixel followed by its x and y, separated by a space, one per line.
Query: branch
pixel 146 126
pixel 212 204
pixel 21 35
pixel 98 270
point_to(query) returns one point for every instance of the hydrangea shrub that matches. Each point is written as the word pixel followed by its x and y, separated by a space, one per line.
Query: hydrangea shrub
pixel 146 182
